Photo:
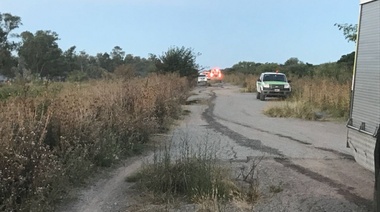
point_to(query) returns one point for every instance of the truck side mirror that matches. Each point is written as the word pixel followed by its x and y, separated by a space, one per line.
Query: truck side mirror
pixel 289 81
pixel 258 80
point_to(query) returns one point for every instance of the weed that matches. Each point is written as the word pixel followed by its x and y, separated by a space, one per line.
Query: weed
pixel 246 81
pixel 317 98
pixel 186 170
pixel 54 135
pixel 249 176
pixel 276 188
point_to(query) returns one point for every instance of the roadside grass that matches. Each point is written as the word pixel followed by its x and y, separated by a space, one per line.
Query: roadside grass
pixel 194 174
pixel 317 98
pixel 246 81
pixel 314 99
pixel 55 135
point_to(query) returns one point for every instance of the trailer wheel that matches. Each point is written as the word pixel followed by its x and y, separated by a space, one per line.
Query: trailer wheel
pixel 376 198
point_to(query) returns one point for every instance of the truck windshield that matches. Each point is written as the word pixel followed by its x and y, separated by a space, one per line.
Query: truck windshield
pixel 274 77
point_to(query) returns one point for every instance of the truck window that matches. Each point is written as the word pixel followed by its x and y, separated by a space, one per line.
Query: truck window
pixel 274 77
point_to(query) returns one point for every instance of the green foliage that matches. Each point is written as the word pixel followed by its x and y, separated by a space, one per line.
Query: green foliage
pixel 179 60
pixel 293 67
pixel 77 76
pixel 349 31
pixel 8 23
pixel 245 67
pixel 41 52
pixel 341 72
pixel 347 59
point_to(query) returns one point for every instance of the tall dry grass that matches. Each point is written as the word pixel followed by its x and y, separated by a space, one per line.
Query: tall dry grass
pixel 54 140
pixel 314 98
pixel 246 81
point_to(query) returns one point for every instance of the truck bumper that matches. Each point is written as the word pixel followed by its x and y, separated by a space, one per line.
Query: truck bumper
pixel 276 93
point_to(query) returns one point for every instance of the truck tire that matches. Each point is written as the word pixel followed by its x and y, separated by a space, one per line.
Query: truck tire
pixel 262 97
pixel 376 198
pixel 257 95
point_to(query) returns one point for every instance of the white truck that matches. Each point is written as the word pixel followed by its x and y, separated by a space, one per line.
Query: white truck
pixel 363 135
pixel 272 84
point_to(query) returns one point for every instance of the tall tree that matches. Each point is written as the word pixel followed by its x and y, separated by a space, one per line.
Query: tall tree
pixel 104 61
pixel 8 23
pixel 41 52
pixel 180 60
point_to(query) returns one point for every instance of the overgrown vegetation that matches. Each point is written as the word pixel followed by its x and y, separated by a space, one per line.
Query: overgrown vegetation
pixel 246 81
pixel 314 98
pixel 53 140
pixel 192 170
pixel 318 92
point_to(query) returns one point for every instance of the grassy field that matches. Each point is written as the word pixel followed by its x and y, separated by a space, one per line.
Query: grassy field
pixel 53 136
pixel 315 99
pixel 312 98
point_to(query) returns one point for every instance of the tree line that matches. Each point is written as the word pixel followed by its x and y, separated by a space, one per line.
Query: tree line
pixel 340 70
pixel 38 55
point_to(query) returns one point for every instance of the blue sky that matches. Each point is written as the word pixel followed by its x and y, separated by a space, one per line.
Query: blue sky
pixel 223 31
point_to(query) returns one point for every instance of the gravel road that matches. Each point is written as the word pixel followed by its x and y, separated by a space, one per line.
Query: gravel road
pixel 308 161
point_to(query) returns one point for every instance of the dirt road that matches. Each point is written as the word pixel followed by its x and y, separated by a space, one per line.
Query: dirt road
pixel 307 161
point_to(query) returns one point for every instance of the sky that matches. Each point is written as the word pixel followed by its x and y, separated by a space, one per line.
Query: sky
pixel 224 32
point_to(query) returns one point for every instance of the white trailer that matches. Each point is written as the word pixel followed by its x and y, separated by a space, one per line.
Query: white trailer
pixel 364 122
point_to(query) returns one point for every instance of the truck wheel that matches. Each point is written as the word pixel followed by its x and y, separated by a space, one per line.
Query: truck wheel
pixel 257 95
pixel 262 97
pixel 376 198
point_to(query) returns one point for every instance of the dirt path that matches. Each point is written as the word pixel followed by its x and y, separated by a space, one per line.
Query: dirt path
pixel 307 162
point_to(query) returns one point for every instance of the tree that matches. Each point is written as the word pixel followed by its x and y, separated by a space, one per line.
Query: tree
pixel 294 66
pixel 117 56
pixel 347 59
pixel 104 61
pixel 246 67
pixel 8 23
pixel 179 60
pixel 41 52
pixel 349 31
pixel 292 61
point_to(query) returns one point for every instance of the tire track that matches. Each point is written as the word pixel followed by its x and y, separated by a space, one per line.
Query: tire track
pixel 255 144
